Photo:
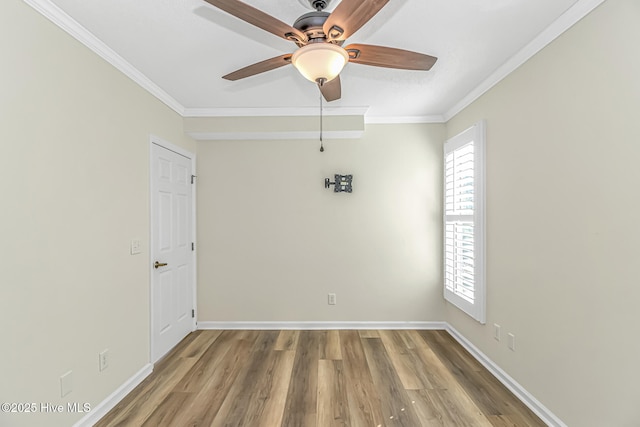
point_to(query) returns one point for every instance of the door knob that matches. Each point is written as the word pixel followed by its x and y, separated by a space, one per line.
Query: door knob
pixel 159 264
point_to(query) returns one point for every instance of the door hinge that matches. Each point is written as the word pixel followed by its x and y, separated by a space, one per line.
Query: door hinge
pixel 193 313
pixel 193 177
pixel 193 246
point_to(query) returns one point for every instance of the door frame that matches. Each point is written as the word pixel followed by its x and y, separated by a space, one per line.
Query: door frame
pixel 154 140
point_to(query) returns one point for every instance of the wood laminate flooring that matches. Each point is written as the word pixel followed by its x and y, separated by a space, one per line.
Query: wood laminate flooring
pixel 320 379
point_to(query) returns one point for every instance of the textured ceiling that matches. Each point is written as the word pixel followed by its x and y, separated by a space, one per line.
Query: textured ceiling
pixel 185 46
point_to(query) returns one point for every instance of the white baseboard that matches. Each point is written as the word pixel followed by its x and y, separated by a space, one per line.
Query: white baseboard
pixel 320 325
pixel 520 392
pixel 114 398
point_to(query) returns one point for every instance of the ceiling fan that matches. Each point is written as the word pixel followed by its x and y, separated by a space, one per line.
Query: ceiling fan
pixel 319 36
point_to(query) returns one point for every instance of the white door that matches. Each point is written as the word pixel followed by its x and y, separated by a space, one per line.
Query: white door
pixel 172 277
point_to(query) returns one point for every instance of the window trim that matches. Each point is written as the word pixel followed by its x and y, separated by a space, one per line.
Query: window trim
pixel 477 135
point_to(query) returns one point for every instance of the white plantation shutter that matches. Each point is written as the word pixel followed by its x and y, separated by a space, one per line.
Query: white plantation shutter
pixel 464 221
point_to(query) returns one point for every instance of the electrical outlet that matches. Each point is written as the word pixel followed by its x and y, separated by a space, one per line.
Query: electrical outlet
pixel 66 384
pixel 332 299
pixel 103 359
pixel 512 342
pixel 496 331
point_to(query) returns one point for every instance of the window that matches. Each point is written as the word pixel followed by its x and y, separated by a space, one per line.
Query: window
pixel 464 248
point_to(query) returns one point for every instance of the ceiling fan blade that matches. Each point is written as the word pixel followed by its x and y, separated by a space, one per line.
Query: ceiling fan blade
pixel 331 90
pixel 349 16
pixel 259 67
pixel 380 56
pixel 260 19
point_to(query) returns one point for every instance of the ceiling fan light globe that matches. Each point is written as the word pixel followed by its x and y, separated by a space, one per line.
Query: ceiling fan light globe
pixel 320 61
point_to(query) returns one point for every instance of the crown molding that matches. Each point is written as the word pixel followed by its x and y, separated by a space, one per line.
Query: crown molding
pixel 77 31
pixel 274 112
pixel 384 120
pixel 309 111
pixel 567 20
pixel 56 15
pixel 270 136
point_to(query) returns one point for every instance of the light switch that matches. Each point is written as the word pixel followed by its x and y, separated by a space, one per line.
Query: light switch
pixel 136 246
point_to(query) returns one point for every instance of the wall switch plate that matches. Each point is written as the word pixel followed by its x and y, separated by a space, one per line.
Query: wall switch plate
pixel 66 383
pixel 496 331
pixel 136 246
pixel 512 342
pixel 332 299
pixel 103 359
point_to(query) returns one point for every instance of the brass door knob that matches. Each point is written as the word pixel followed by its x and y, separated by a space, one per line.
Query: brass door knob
pixel 159 264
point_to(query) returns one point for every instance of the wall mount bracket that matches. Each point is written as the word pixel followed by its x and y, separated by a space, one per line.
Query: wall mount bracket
pixel 342 183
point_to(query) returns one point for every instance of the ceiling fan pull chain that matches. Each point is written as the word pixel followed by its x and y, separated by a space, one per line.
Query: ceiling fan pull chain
pixel 321 143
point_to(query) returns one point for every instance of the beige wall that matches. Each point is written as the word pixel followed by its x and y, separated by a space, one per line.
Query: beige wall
pixel 562 220
pixel 74 134
pixel 562 169
pixel 272 241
